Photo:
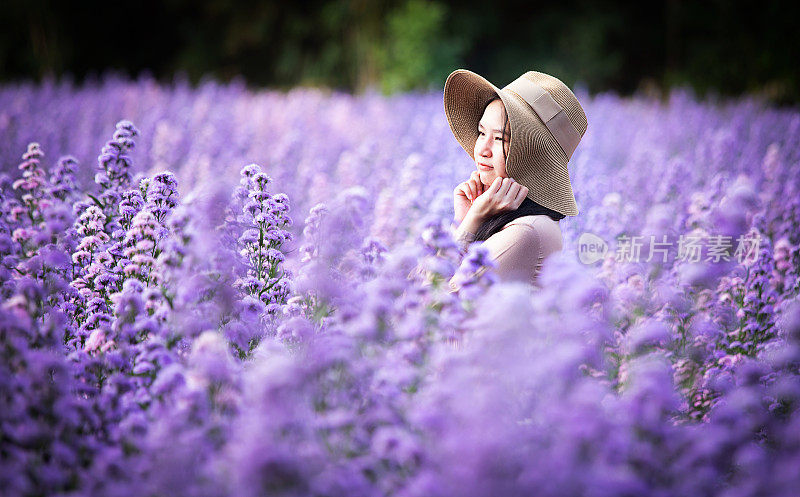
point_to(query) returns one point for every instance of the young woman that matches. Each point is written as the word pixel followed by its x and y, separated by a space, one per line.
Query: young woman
pixel 520 138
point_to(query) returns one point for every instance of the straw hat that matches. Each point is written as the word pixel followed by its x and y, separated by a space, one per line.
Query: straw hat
pixel 546 120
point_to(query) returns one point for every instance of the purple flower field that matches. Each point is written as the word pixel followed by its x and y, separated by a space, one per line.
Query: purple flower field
pixel 221 291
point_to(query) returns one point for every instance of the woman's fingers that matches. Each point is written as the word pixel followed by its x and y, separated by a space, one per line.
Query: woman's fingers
pixel 520 196
pixel 503 194
pixel 495 186
pixel 517 200
pixel 504 186
pixel 480 187
pixel 510 197
pixel 463 190
pixel 473 187
pixel 477 177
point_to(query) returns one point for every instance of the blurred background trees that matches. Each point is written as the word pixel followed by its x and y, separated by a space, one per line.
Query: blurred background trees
pixel 728 47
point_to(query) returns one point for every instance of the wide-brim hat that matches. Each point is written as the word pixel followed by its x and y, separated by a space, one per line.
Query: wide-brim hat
pixel 546 121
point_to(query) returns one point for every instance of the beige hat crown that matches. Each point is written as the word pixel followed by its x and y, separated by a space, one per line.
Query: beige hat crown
pixel 546 120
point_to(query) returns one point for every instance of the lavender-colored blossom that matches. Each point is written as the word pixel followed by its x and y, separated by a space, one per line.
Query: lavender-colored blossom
pixel 62 180
pixel 114 160
pixel 475 274
pixel 162 195
pixel 201 344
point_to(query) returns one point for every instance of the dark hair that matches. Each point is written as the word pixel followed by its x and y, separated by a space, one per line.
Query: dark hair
pixel 527 208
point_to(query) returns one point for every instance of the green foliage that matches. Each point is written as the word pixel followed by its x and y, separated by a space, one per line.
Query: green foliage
pixel 400 45
pixel 416 53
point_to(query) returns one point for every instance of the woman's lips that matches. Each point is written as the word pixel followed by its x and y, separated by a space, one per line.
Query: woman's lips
pixel 484 167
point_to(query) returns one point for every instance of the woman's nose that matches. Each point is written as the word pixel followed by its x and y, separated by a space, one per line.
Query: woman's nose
pixel 484 147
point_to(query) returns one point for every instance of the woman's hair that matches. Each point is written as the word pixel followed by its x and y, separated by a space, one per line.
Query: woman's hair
pixel 527 208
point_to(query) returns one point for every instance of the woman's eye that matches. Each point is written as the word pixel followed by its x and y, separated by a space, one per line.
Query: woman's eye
pixel 499 138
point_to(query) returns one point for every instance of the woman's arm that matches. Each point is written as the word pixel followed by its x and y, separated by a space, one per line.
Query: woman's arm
pixel 516 251
pixel 465 233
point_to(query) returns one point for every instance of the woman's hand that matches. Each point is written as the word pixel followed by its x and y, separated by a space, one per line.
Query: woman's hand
pixel 465 194
pixel 504 194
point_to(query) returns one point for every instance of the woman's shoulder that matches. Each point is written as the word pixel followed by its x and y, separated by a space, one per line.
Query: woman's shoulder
pixel 534 221
pixel 541 228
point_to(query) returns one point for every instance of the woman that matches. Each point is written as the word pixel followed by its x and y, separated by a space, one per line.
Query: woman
pixel 521 138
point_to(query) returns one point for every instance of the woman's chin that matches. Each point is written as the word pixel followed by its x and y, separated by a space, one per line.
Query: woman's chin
pixel 487 177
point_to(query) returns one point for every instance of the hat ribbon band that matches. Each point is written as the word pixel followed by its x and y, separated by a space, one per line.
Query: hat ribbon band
pixel 549 111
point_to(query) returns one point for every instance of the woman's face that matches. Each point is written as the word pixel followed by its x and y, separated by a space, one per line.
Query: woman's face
pixel 492 142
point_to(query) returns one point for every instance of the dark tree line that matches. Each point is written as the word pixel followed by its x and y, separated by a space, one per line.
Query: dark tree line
pixel 728 47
